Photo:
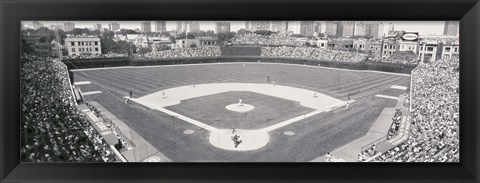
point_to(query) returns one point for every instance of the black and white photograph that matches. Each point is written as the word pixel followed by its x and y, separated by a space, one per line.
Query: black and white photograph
pixel 163 91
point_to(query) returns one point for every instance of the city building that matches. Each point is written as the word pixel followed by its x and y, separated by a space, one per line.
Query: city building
pixel 188 26
pixel 340 44
pixel 132 38
pixel 408 46
pixel 391 27
pixel 318 28
pixel 160 26
pixel 451 28
pixel 307 28
pixel 450 48
pixel 37 25
pixel 360 29
pixel 374 48
pixel 380 29
pixel 207 41
pixel 257 25
pixel 408 41
pixel 294 27
pixel 97 26
pixel 331 28
pixel 428 51
pixel 389 46
pixel 145 26
pixel 69 26
pixel 161 43
pixel 322 43
pixel 280 27
pixel 138 40
pixel 186 43
pixel 119 37
pixel 83 45
pixel 194 26
pixel 182 26
pixel 360 45
pixel 199 42
pixel 113 26
pixel 345 29
pixel 371 29
pixel 222 27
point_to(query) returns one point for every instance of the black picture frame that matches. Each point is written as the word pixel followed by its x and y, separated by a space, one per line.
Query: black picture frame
pixel 12 12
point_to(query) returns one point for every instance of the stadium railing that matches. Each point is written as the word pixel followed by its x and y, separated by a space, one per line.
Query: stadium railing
pixel 411 88
pixel 118 155
pixel 376 142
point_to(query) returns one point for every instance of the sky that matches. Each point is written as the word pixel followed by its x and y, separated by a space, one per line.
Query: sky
pixel 423 27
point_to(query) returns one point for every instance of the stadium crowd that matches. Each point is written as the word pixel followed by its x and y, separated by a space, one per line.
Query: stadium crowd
pixel 434 135
pixel 302 52
pixel 108 55
pixel 264 40
pixel 207 51
pixel 313 53
pixel 276 51
pixel 400 57
pixel 52 128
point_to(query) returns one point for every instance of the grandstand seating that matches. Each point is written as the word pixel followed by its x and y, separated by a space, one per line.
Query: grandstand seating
pixel 52 127
pixel 435 116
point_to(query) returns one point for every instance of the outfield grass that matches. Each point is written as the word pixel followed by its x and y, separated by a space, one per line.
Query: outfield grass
pixel 313 136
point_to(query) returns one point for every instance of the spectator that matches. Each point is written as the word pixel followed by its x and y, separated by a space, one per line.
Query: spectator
pixel 435 108
pixel 313 53
pixel 52 128
pixel 263 40
pixel 207 51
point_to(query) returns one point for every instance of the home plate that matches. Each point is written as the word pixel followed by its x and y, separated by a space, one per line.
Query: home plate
pixel 251 139
pixel 153 159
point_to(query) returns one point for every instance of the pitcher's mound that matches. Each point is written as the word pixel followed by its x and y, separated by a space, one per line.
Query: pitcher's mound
pixel 240 108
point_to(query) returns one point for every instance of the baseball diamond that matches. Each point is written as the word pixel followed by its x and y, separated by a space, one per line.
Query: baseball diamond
pixel 192 113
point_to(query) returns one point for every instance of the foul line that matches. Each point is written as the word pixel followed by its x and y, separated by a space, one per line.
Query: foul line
pixel 82 83
pixel 399 87
pixel 385 96
pixel 90 93
pixel 187 119
pixel 207 89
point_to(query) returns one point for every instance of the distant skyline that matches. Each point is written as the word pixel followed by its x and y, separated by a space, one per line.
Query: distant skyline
pixel 423 27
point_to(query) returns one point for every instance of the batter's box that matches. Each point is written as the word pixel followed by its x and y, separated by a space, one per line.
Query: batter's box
pixel 252 109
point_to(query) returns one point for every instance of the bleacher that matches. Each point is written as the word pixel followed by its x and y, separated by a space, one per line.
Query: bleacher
pixel 241 51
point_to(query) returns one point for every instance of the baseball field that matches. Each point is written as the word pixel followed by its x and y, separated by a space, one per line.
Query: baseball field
pixel 281 112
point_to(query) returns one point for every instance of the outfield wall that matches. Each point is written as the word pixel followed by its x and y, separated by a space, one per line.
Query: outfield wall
pixel 116 62
pixel 367 65
pixel 96 62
